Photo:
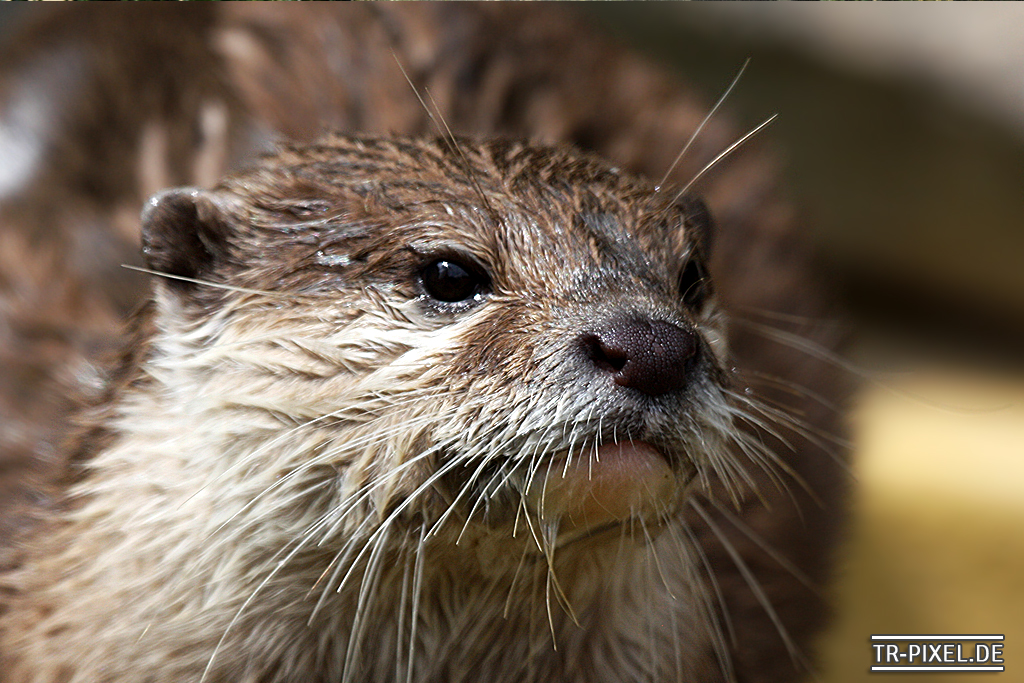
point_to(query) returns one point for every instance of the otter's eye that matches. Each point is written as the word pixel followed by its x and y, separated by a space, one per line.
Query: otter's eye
pixel 694 285
pixel 451 281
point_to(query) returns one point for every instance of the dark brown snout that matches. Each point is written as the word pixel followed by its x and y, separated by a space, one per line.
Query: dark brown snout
pixel 653 357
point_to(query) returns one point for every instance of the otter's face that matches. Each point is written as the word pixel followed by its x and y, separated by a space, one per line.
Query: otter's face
pixel 472 341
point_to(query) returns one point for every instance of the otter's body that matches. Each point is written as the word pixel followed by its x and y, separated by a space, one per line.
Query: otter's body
pixel 425 408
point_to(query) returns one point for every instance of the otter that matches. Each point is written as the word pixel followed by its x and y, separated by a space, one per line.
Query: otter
pixel 435 382
pixel 418 408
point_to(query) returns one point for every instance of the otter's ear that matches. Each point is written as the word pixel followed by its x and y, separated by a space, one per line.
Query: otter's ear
pixel 699 226
pixel 184 234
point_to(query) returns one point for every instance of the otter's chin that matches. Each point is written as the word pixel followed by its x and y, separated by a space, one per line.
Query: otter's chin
pixel 604 487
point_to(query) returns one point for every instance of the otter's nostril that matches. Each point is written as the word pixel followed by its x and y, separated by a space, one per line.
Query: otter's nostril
pixel 608 358
pixel 653 357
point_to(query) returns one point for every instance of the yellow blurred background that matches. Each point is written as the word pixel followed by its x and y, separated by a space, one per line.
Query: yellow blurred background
pixel 937 539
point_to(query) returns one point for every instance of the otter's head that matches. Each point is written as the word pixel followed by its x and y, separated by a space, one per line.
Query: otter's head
pixel 494 340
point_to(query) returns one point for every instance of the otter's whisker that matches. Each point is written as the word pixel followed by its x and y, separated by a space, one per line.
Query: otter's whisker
pixel 417 593
pixel 447 136
pixel 206 283
pixel 768 462
pixel 753 584
pixel 515 579
pixel 722 631
pixel 547 604
pixel 399 509
pixel 654 555
pixel 464 490
pixel 772 552
pixel 482 498
pixel 369 439
pixel 299 545
pixel 336 561
pixel 813 436
pixel 792 388
pixel 784 417
pixel 696 132
pixel 403 608
pixel 728 150
pixel 371 577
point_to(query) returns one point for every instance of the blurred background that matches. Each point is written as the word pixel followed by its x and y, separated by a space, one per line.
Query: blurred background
pixel 902 130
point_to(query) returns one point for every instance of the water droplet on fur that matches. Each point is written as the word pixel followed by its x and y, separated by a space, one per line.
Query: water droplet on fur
pixel 333 260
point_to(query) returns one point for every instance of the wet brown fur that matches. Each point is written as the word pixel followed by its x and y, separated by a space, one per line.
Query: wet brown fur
pixel 484 78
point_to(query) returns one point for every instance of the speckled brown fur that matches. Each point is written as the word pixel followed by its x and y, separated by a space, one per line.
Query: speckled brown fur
pixel 130 126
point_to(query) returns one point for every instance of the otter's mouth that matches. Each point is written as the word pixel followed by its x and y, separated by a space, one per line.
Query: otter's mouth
pixel 586 493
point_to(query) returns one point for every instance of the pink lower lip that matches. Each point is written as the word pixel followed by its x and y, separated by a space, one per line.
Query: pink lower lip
pixel 614 483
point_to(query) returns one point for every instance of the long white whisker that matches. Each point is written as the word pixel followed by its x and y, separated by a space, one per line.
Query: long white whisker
pixel 371 577
pixel 238 614
pixel 417 592
pixel 207 283
pixel 753 584
pixel 721 637
pixel 783 561
pixel 728 150
pixel 693 136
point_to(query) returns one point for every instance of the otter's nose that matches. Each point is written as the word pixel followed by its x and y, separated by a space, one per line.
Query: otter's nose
pixel 653 357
